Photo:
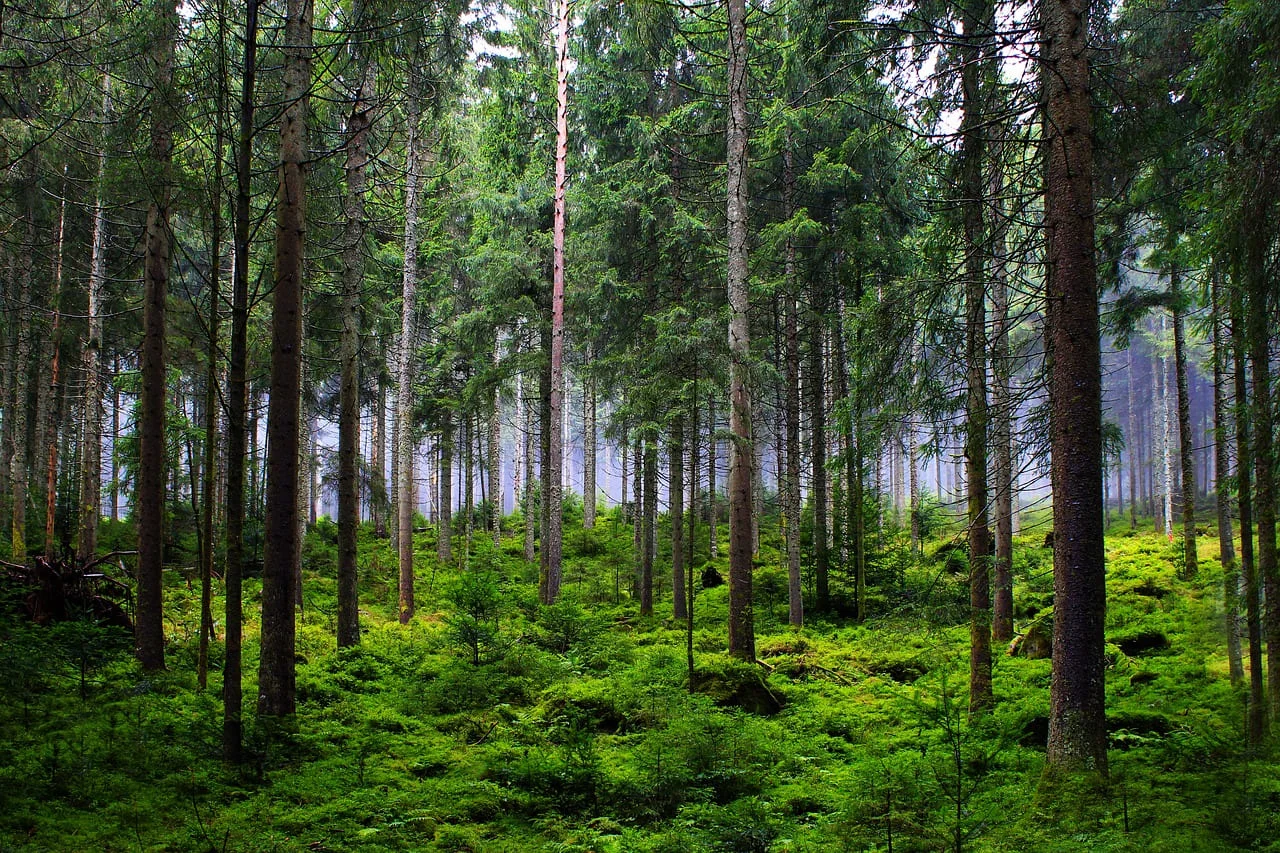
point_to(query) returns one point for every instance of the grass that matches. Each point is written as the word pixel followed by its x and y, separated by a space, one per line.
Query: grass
pixel 490 724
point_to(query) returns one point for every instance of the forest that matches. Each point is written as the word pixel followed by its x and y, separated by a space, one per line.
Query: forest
pixel 664 425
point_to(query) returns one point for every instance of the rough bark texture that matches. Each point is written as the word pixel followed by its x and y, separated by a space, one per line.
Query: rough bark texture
pixel 816 385
pixel 589 452
pixel 91 446
pixel 1257 708
pixel 149 494
pixel 50 431
pixel 675 461
pixel 791 477
pixel 357 159
pixel 555 517
pixel 1264 476
pixel 495 460
pixel 444 539
pixel 276 674
pixel 1186 446
pixel 237 398
pixel 648 538
pixel 1002 420
pixel 1222 493
pixel 977 17
pixel 742 641
pixel 1077 719
pixel 404 370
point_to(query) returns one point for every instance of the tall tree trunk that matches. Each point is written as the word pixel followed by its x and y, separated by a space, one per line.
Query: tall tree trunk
pixel 816 385
pixel 1186 447
pixel 91 444
pixel 742 642
pixel 552 545
pixel 1002 425
pixel 530 496
pixel 1222 496
pixel 791 481
pixel 589 451
pixel 1257 707
pixel 149 494
pixel 1077 718
pixel 648 525
pixel 378 477
pixel 978 17
pixel 444 540
pixel 357 159
pixel 1165 439
pixel 50 433
pixel 408 339
pixel 237 398
pixel 212 362
pixel 1132 438
pixel 1259 336
pixel 712 544
pixel 495 459
pixel 276 674
pixel 675 461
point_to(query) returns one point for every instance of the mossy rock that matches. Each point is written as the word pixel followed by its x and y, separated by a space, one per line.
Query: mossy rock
pixel 1035 642
pixel 903 671
pixel 1142 643
pixel 739 685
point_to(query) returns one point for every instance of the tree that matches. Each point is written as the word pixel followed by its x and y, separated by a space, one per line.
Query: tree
pixel 1077 718
pixel 149 625
pixel 276 674
pixel 357 157
pixel 741 622
pixel 550 587
pixel 408 337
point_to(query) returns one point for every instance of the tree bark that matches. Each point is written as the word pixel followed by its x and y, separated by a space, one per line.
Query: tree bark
pixel 1257 707
pixel 552 545
pixel 237 398
pixel 1222 496
pixel 276 674
pixel 1077 720
pixel 495 458
pixel 444 539
pixel 1002 425
pixel 404 378
pixel 791 481
pixel 589 452
pixel 978 17
pixel 149 494
pixel 816 385
pixel 649 519
pixel 91 444
pixel 359 121
pixel 742 642
pixel 675 461
pixel 1186 446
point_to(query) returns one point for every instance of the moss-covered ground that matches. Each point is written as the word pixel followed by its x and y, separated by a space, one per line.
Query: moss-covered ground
pixel 490 724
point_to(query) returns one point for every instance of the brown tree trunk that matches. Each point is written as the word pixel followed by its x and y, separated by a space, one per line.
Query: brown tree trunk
pixel 237 398
pixel 357 158
pixel 1222 496
pixel 589 452
pixel 212 360
pixel 404 378
pixel 1186 446
pixel 712 544
pixel 1259 337
pixel 495 460
pixel 1257 707
pixel 791 479
pixel 276 674
pixel 648 525
pixel 978 17
pixel 378 477
pixel 444 541
pixel 1077 718
pixel 675 459
pixel 1002 425
pixel 742 641
pixel 91 444
pixel 555 517
pixel 149 494
pixel 816 386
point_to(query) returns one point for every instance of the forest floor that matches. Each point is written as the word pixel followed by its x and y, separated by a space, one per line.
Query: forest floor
pixel 490 724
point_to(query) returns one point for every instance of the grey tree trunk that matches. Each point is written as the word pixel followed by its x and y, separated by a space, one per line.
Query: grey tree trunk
pixel 1186 447
pixel 589 452
pixel 648 525
pixel 675 461
pixel 1222 496
pixel 791 482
